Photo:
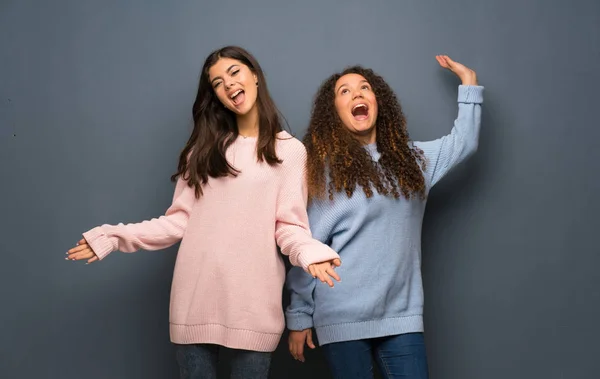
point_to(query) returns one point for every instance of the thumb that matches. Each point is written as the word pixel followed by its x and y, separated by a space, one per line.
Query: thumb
pixel 309 340
pixel 337 262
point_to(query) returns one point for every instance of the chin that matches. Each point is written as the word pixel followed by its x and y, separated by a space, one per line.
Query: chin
pixel 246 109
pixel 363 130
pixel 239 112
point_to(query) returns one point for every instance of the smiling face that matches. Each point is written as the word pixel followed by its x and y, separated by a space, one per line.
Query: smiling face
pixel 356 105
pixel 234 84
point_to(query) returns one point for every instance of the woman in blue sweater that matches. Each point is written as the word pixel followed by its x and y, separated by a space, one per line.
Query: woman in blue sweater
pixel 368 184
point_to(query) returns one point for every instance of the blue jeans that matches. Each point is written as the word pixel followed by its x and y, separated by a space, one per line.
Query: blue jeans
pixel 199 361
pixel 401 356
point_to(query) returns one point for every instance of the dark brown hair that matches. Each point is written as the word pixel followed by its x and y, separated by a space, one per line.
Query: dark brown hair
pixel 215 127
pixel 332 148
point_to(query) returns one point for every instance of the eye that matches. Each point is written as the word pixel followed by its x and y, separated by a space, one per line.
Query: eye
pixel 234 73
pixel 217 84
pixel 344 91
pixel 365 86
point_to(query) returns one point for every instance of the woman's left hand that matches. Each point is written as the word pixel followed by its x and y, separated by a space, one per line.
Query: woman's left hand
pixel 465 74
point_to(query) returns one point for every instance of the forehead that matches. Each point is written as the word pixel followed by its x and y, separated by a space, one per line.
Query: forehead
pixel 222 65
pixel 350 80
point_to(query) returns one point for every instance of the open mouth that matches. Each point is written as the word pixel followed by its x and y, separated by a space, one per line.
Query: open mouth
pixel 360 112
pixel 238 97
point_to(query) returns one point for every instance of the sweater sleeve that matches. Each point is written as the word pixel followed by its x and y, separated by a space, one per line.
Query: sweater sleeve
pixel 445 153
pixel 321 215
pixel 292 231
pixel 158 233
pixel 299 313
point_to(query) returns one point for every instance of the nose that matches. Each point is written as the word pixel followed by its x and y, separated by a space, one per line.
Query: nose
pixel 228 83
pixel 357 94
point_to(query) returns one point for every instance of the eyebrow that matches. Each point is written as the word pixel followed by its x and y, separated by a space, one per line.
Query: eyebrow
pixel 346 84
pixel 228 71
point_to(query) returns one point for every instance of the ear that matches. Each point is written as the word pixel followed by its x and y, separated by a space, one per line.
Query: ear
pixel 255 79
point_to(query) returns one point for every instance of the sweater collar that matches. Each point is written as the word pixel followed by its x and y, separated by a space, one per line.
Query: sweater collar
pixel 372 149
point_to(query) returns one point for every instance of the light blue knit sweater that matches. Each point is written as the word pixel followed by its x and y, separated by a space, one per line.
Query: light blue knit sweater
pixel 379 242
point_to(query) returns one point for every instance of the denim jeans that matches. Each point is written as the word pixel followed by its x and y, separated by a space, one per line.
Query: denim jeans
pixel 199 361
pixel 401 356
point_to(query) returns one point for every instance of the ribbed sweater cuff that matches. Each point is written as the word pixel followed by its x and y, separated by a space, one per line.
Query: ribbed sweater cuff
pixel 298 321
pixel 470 94
pixel 99 242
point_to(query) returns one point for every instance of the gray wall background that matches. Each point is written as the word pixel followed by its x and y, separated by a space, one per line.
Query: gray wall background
pixel 95 105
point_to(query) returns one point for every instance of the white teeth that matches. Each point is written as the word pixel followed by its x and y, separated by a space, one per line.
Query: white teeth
pixel 359 105
pixel 235 93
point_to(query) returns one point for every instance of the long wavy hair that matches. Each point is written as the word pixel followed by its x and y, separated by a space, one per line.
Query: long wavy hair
pixel 332 148
pixel 215 127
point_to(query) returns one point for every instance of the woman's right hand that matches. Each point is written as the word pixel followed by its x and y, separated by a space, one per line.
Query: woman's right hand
pixel 296 342
pixel 82 251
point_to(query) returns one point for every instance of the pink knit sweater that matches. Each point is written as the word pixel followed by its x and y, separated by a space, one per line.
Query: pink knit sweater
pixel 228 276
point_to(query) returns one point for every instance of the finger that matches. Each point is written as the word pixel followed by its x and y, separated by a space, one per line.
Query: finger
pixel 451 64
pixel 87 254
pixel 93 259
pixel 333 274
pixel 441 61
pixel 317 274
pixel 312 271
pixel 72 256
pixel 78 248
pixel 446 63
pixel 300 352
pixel 309 340
pixel 77 253
pixel 82 256
pixel 82 241
pixel 337 262
pixel 325 278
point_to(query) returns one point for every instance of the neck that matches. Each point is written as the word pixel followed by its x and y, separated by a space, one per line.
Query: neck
pixel 247 124
pixel 367 139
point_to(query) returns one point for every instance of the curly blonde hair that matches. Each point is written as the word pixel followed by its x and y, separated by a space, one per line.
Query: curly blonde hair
pixel 330 145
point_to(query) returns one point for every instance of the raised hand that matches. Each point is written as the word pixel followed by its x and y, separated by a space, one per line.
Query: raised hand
pixel 324 271
pixel 465 74
pixel 82 251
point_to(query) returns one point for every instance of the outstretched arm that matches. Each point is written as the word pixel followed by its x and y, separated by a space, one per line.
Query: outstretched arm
pixel 445 153
pixel 155 234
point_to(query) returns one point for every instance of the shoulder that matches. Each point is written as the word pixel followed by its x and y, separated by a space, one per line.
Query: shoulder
pixel 290 149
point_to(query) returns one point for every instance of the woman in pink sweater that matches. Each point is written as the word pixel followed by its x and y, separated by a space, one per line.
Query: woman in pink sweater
pixel 240 191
